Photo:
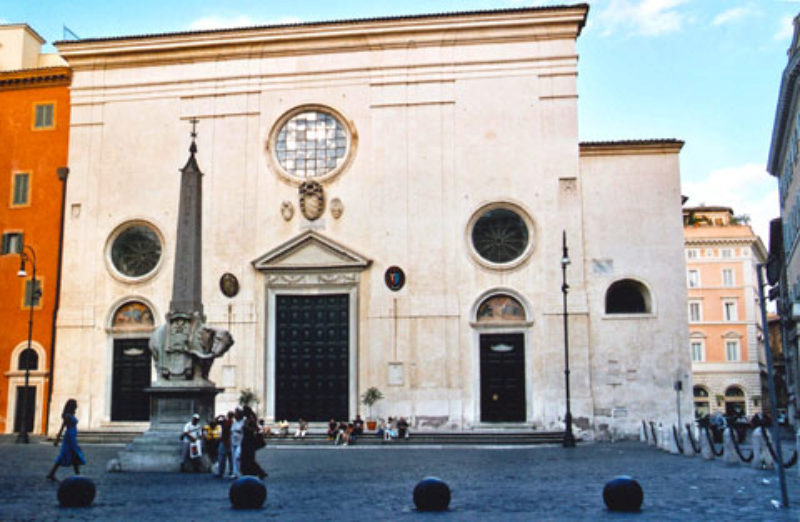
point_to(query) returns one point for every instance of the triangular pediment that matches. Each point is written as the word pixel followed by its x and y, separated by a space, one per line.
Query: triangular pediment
pixel 310 251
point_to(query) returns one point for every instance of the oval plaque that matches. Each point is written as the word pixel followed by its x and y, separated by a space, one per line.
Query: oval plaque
pixel 395 278
pixel 312 200
pixel 229 284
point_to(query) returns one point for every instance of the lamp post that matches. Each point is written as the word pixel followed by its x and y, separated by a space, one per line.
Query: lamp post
pixel 34 296
pixel 569 438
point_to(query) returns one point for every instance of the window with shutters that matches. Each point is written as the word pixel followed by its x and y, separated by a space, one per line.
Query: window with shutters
pixel 43 116
pixel 20 189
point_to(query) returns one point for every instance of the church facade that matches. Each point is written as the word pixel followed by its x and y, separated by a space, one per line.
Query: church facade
pixel 385 204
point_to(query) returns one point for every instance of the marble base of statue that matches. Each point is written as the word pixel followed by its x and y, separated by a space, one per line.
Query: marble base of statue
pixel 171 406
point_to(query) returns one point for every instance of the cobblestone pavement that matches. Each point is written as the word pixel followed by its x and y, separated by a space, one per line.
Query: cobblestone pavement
pixel 376 483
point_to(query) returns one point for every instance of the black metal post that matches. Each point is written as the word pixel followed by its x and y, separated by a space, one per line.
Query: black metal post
pixel 569 438
pixel 773 403
pixel 23 432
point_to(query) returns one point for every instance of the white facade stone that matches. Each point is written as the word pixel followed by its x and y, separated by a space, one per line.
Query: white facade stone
pixel 447 114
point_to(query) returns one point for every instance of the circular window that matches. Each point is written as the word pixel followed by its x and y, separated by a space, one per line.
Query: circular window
pixel 500 235
pixel 136 251
pixel 311 143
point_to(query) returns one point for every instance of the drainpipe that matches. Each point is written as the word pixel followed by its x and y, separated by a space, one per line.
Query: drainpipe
pixel 63 173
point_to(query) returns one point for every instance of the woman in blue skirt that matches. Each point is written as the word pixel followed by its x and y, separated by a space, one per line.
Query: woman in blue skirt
pixel 71 454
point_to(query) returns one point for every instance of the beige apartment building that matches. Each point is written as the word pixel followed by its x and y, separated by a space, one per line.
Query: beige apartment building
pixel 725 332
pixel 374 215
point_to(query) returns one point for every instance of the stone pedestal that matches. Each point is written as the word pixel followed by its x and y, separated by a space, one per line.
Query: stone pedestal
pixel 171 407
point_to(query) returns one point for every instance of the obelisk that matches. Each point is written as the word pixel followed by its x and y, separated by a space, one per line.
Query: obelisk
pixel 183 348
pixel 187 274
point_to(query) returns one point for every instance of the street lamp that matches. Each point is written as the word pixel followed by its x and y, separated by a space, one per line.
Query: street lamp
pixel 569 438
pixel 34 296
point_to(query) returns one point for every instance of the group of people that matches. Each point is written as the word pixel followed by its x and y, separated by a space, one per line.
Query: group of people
pixel 346 433
pixel 231 440
pixel 396 428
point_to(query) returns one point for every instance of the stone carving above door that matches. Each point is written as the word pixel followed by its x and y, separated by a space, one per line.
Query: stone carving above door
pixel 287 210
pixel 311 258
pixel 312 200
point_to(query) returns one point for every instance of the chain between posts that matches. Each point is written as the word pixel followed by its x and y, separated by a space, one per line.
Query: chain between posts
pixel 711 442
pixel 675 436
pixel 734 439
pixel 792 460
pixel 695 446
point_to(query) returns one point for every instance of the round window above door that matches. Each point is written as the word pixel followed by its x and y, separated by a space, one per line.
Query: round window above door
pixel 311 142
pixel 500 235
pixel 134 251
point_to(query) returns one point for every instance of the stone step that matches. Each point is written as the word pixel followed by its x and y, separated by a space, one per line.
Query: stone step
pixel 422 437
pixel 435 438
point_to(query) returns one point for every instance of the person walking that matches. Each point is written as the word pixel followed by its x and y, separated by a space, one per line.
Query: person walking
pixel 71 454
pixel 252 440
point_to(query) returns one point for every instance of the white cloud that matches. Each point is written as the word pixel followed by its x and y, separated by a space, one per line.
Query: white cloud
pixel 642 17
pixel 734 14
pixel 224 22
pixel 785 29
pixel 747 189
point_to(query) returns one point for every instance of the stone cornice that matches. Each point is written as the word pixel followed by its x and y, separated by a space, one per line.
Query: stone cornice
pixel 744 240
pixel 32 78
pixel 630 147
pixel 526 24
pixel 786 100
pixel 755 241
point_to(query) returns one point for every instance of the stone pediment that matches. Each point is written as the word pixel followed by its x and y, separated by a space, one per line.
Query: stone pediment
pixel 311 251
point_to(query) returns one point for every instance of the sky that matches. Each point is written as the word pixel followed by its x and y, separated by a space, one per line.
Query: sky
pixel 703 71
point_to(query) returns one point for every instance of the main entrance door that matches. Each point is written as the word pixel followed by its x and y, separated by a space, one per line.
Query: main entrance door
pixel 311 357
pixel 131 376
pixel 502 378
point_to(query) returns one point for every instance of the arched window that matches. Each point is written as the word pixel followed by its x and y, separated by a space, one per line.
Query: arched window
pixel 735 401
pixel 133 315
pixel 734 391
pixel 627 296
pixel 28 360
pixel 499 309
pixel 701 402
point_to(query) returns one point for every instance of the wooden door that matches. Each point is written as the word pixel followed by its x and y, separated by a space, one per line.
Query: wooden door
pixel 502 378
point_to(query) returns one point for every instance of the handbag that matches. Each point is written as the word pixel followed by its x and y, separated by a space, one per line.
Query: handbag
pixel 195 450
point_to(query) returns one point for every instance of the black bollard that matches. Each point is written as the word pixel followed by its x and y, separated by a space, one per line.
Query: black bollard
pixel 76 491
pixel 623 494
pixel 247 493
pixel 431 494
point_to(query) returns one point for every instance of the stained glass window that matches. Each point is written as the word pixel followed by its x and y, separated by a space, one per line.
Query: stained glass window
pixel 136 251
pixel 500 308
pixel 311 143
pixel 500 235
pixel 133 316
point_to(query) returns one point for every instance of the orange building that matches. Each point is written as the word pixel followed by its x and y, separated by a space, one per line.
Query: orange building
pixel 725 333
pixel 34 129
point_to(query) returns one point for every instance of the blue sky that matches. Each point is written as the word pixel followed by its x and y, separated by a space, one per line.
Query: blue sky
pixel 704 71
